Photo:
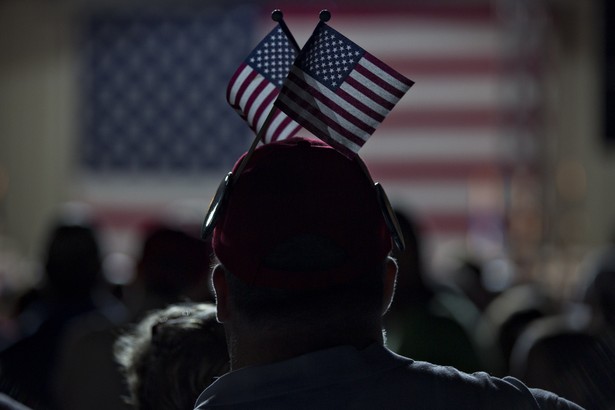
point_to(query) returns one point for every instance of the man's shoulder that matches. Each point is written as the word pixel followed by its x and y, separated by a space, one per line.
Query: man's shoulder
pixel 445 385
pixel 365 379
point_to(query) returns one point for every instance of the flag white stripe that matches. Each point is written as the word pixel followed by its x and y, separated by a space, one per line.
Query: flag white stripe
pixel 364 99
pixel 241 78
pixel 258 102
pixel 446 196
pixel 437 145
pixel 290 129
pixel 331 133
pixel 264 114
pixel 350 90
pixel 467 90
pixel 383 75
pixel 374 87
pixel 250 90
pixel 320 106
pixel 274 124
pixel 360 115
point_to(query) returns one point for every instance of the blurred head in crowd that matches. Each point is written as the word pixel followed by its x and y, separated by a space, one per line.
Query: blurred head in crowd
pixel 173 262
pixel 72 262
pixel 171 355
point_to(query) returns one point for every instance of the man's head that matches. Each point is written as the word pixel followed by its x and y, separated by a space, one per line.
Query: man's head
pixel 302 233
pixel 301 194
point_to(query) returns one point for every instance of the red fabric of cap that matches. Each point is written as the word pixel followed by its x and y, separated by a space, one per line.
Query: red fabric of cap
pixel 300 187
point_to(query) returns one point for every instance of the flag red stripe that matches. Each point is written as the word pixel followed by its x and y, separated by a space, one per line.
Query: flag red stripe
pixel 283 124
pixel 233 81
pixel 310 125
pixel 445 222
pixel 369 93
pixel 379 81
pixel 387 69
pixel 359 105
pixel 431 170
pixel 314 92
pixel 342 10
pixel 242 88
pixel 257 91
pixel 479 117
pixel 317 113
pixel 429 66
pixel 261 110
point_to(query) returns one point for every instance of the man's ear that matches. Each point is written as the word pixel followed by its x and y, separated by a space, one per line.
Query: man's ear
pixel 221 292
pixel 389 278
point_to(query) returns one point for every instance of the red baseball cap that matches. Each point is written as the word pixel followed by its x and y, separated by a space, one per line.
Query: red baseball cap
pixel 295 188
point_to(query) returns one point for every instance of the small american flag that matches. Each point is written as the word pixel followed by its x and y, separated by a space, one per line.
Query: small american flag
pixel 256 83
pixel 338 91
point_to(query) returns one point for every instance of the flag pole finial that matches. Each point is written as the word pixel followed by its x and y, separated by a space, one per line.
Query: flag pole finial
pixel 324 15
pixel 277 15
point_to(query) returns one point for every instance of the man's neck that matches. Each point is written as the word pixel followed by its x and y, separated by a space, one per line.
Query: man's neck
pixel 258 348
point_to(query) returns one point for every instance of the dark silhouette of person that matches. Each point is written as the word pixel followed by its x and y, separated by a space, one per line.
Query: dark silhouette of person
pixel 303 282
pixel 506 318
pixel 72 273
pixel 573 353
pixel 422 320
pixel 173 266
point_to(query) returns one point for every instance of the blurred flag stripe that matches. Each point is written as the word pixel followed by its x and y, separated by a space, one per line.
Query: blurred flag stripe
pixel 442 11
pixel 435 66
pixel 444 197
pixel 432 170
pixel 455 117
pixel 140 218
pixel 472 91
pixel 408 35
pixel 475 145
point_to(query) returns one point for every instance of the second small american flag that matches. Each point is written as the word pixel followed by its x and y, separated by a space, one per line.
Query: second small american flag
pixel 256 83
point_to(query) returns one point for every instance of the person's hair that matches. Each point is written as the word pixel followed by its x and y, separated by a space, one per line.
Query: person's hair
pixel 350 305
pixel 170 356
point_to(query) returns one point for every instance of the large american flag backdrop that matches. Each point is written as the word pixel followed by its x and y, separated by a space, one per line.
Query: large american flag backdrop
pixel 156 127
